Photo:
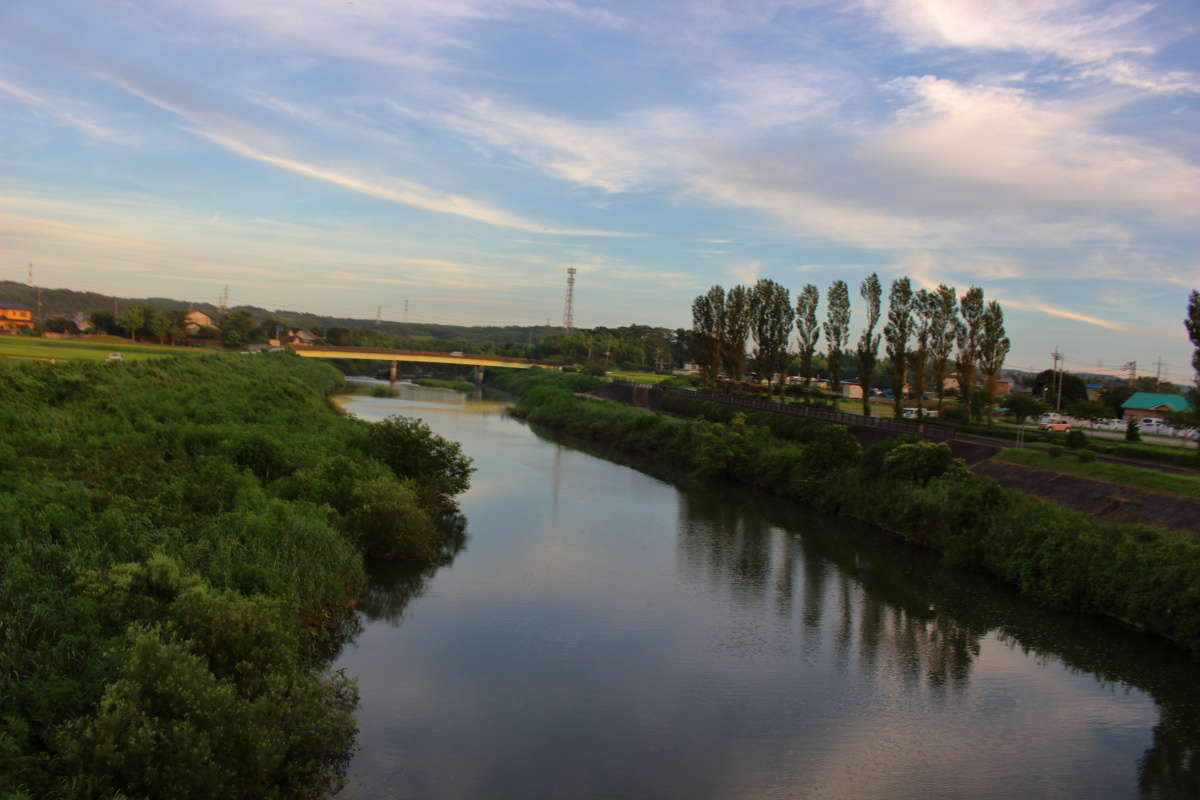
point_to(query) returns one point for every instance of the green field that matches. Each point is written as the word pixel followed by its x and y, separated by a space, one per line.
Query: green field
pixel 1142 477
pixel 25 347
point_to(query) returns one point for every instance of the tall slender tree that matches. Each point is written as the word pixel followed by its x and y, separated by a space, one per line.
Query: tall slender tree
pixel 1192 324
pixel 971 307
pixel 837 329
pixel 738 316
pixel 896 333
pixel 943 330
pixel 923 309
pixel 993 349
pixel 807 329
pixel 867 351
pixel 772 325
pixel 708 330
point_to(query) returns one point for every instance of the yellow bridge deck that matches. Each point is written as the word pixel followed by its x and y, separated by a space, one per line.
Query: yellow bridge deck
pixel 412 356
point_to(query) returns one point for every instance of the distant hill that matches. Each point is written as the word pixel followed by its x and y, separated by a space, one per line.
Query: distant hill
pixel 66 302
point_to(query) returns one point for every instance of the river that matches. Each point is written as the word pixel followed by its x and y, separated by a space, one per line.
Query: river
pixel 605 633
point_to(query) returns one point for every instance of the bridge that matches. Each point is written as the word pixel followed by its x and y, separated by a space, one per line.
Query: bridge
pixel 476 360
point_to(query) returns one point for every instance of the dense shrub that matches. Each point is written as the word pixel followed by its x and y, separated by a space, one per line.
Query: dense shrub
pixel 1054 450
pixel 1076 439
pixel 1086 456
pixel 180 546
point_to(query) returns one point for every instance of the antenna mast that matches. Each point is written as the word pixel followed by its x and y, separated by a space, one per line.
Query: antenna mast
pixel 569 304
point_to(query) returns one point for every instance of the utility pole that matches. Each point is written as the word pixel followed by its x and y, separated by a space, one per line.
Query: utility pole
pixel 378 313
pixel 1131 368
pixel 406 311
pixel 1158 365
pixel 1057 357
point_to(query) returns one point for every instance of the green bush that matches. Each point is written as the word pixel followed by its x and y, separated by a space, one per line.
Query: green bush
pixel 181 543
pixel 1076 439
pixel 436 466
pixel 1133 431
pixel 1085 456
pixel 1054 450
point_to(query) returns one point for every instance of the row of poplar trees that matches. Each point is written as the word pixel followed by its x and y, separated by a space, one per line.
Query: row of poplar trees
pixel 921 332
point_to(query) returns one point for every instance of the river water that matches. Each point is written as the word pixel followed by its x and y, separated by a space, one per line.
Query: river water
pixel 605 633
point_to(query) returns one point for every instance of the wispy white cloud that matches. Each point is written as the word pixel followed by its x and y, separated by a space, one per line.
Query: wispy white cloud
pixel 1097 39
pixel 64 110
pixel 398 191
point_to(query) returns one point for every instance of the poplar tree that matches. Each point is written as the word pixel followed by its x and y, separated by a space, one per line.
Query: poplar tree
pixel 807 329
pixel 1192 324
pixel 868 342
pixel 837 329
pixel 943 330
pixel 993 349
pixel 737 329
pixel 708 329
pixel 969 332
pixel 924 306
pixel 896 333
pixel 772 324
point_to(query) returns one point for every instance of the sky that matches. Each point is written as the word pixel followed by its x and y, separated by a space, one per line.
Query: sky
pixel 344 156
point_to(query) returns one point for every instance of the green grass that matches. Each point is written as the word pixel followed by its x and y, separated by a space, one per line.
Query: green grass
pixel 24 347
pixel 1141 477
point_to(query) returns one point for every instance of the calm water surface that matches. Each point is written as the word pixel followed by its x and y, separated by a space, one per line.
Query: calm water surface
pixel 607 634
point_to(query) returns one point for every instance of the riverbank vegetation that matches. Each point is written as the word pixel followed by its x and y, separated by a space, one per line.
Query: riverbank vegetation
pixel 915 489
pixel 181 546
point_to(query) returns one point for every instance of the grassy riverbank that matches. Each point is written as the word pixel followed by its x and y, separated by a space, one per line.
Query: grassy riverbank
pixel 181 547
pixel 1124 475
pixel 917 490
pixel 91 349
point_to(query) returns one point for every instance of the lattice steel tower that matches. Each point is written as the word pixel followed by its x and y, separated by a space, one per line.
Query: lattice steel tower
pixel 569 304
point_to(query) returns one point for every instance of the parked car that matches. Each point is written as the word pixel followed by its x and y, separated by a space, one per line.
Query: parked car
pixel 1054 425
pixel 115 357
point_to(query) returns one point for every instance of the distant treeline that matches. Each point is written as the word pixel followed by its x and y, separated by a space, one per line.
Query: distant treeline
pixel 916 489
pixel 181 547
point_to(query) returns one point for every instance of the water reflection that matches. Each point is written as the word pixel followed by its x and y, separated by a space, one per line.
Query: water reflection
pixel 394 584
pixel 889 624
pixel 901 612
pixel 607 634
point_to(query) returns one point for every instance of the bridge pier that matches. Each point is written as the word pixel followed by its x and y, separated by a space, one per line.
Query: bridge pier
pixel 392 379
pixel 478 374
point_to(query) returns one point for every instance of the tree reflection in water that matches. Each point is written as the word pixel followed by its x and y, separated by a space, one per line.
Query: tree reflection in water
pixel 394 585
pixel 898 610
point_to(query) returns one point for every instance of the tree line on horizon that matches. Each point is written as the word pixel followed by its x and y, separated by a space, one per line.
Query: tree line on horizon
pixel 920 335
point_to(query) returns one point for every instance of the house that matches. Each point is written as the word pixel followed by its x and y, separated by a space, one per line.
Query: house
pixel 196 320
pixel 1004 386
pixel 292 337
pixel 1152 404
pixel 851 390
pixel 14 317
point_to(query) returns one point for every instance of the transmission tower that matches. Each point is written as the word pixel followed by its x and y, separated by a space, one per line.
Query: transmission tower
pixel 1131 368
pixel 378 314
pixel 569 303
pixel 223 301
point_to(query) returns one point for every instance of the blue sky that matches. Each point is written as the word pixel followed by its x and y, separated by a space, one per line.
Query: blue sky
pixel 335 156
